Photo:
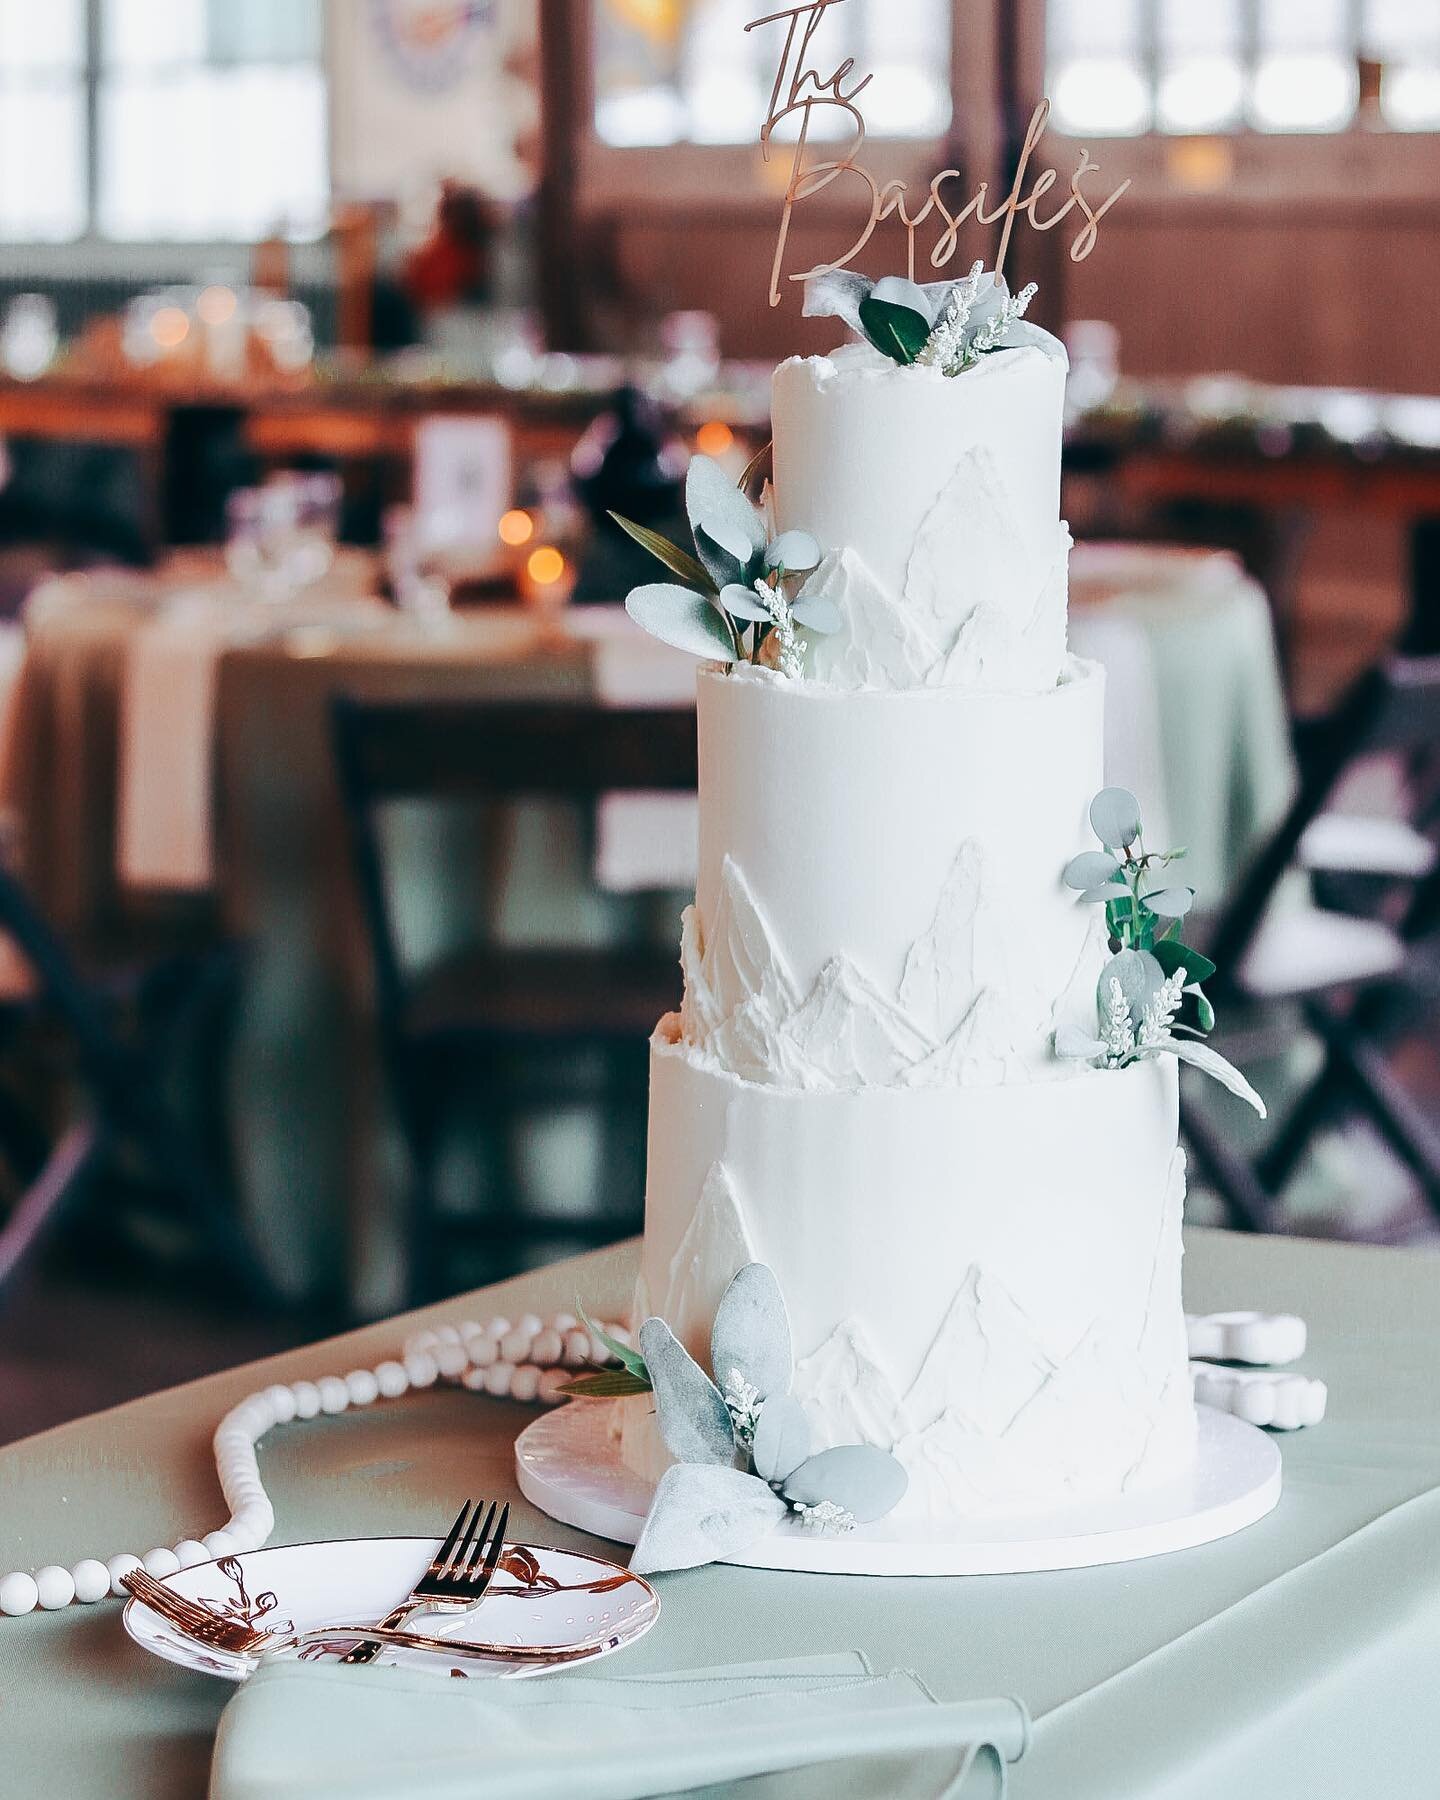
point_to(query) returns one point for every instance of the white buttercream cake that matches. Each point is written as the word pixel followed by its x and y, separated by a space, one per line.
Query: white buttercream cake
pixel 979 1243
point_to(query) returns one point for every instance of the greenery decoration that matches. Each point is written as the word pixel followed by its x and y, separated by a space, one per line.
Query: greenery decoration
pixel 739 601
pixel 948 325
pixel 1149 1000
pixel 742 1442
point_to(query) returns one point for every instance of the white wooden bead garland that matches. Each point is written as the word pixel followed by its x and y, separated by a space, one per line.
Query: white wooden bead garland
pixel 528 1360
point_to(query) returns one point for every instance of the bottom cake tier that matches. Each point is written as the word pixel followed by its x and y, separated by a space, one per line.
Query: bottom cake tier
pixel 983 1280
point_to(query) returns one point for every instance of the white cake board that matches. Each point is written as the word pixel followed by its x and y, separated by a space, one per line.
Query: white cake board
pixel 568 1464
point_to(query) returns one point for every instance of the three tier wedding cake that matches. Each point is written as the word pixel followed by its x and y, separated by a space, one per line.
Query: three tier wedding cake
pixel 977 1237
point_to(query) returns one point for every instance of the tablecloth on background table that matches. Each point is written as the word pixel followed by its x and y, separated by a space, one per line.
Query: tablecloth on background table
pixel 1221 772
pixel 1294 1661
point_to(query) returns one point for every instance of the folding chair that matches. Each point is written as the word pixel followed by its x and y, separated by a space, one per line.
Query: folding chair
pixel 488 1015
pixel 1351 974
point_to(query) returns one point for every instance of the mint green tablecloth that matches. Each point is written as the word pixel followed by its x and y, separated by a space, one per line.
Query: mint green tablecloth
pixel 1296 1661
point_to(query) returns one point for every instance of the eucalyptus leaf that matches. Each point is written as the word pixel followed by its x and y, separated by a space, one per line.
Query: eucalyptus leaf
pixel 677 561
pixel 1115 817
pixel 732 541
pixel 898 331
pixel 1171 955
pixel 743 602
pixel 716 506
pixel 683 618
pixel 782 1438
pixel 623 1354
pixel 866 1481
pixel 751 1334
pixel 1091 869
pixel 701 1513
pixel 899 290
pixel 1075 1044
pixel 794 551
pixel 1201 1056
pixel 722 566
pixel 607 1384
pixel 1140 977
pixel 690 1411
pixel 817 613
pixel 1170 903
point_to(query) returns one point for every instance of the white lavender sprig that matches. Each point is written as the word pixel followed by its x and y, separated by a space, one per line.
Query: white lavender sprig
pixel 742 1402
pixel 948 348
pixel 827 1518
pixel 987 338
pixel 1116 1029
pixel 946 344
pixel 1160 1010
pixel 791 648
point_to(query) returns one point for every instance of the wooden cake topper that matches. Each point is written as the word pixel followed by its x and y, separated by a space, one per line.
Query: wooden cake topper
pixel 800 88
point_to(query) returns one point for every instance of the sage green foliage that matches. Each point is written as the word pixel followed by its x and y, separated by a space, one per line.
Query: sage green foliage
pixel 720 612
pixel 1143 911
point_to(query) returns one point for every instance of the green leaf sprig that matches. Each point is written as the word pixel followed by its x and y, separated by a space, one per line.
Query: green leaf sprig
pixel 1142 911
pixel 632 1377
pixel 1149 1001
pixel 737 594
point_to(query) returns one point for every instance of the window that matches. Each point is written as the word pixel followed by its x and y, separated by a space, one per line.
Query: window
pixel 1123 67
pixel 209 119
pixel 42 120
pixel 687 71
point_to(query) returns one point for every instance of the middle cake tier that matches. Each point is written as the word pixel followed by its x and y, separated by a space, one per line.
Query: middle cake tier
pixel 880 899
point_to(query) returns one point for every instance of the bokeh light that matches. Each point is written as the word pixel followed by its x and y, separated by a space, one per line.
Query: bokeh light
pixel 169 327
pixel 216 304
pixel 545 566
pixel 714 438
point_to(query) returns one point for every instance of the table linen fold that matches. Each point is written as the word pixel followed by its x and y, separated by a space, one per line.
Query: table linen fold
pixel 810 1725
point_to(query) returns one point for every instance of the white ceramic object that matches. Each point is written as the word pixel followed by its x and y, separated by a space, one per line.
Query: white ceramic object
pixel 346 1580
pixel 568 1464
pixel 1280 1402
pixel 1246 1337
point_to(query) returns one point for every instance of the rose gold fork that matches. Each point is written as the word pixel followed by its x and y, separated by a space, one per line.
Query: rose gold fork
pixel 461 1570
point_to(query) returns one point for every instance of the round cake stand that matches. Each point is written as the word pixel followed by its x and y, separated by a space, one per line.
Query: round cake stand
pixel 568 1464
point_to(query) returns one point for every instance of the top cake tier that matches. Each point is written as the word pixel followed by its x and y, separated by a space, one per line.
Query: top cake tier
pixel 937 501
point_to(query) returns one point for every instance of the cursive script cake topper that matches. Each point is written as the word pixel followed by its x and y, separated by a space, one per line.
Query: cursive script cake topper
pixel 800 89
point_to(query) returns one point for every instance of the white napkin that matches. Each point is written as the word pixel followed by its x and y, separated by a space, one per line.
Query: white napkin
pixel 167 704
pixel 167 720
pixel 813 1727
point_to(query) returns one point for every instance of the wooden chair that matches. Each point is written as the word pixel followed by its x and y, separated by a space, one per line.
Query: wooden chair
pixel 487 1012
pixel 118 1027
pixel 1353 975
